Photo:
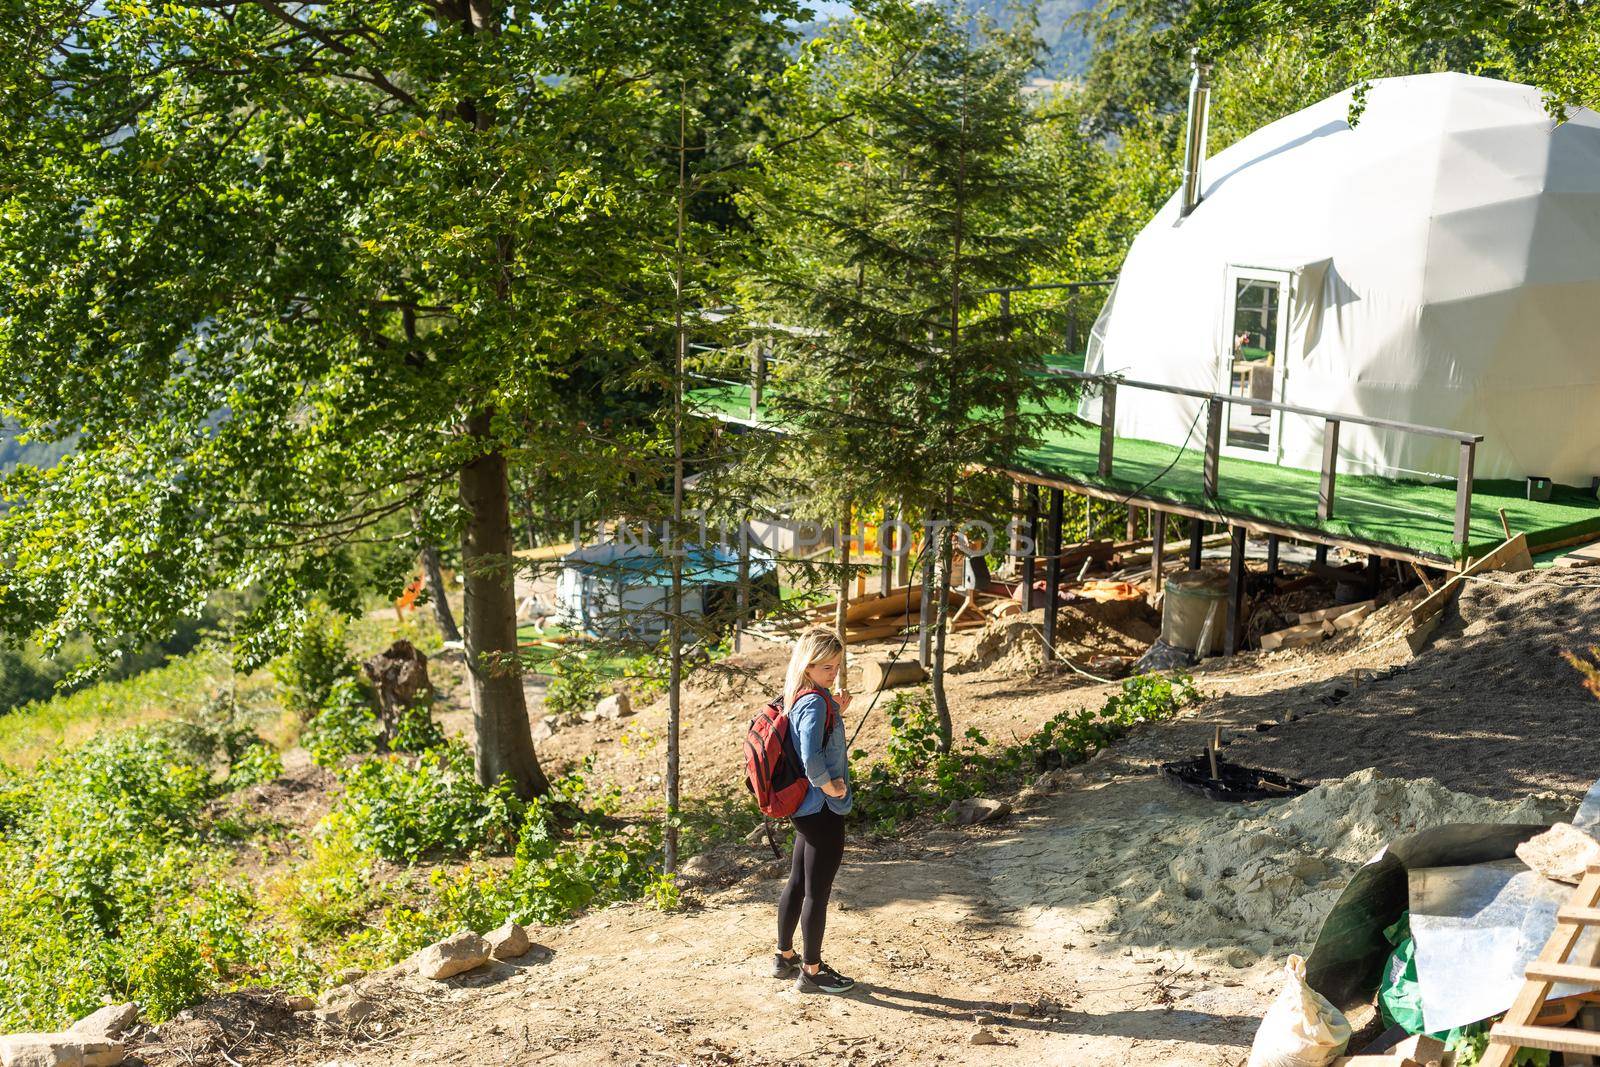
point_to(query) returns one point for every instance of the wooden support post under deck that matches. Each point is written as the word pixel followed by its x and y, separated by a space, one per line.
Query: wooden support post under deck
pixel 1158 545
pixel 1272 556
pixel 1032 543
pixel 1374 574
pixel 902 557
pixel 1322 555
pixel 1133 522
pixel 1464 493
pixel 1197 533
pixel 1232 637
pixel 1108 426
pixel 1213 445
pixel 1052 581
pixel 1330 469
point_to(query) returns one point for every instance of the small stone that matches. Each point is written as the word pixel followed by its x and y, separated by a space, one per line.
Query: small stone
pixel 757 837
pixel 543 730
pixel 615 706
pixel 982 1036
pixel 976 810
pixel 112 1021
pixel 983 1019
pixel 300 1003
pixel 351 1013
pixel 452 956
pixel 508 942
pixel 1241 958
pixel 336 994
pixel 1047 782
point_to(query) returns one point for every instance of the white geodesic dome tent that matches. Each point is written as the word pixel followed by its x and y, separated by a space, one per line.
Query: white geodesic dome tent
pixel 1437 264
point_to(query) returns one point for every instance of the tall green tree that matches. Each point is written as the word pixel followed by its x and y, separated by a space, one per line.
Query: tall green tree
pixel 902 198
pixel 289 270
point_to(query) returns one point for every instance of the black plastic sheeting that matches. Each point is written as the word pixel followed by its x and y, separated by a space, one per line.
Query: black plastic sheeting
pixel 1347 961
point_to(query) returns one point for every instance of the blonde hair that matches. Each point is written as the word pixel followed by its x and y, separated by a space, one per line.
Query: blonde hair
pixel 816 644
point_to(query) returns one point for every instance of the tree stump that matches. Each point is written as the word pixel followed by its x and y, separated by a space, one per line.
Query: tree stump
pixel 399 677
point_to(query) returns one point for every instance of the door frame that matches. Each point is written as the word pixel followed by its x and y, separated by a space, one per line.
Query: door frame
pixel 1284 279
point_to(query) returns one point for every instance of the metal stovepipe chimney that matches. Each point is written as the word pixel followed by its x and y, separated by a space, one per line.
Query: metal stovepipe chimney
pixel 1194 144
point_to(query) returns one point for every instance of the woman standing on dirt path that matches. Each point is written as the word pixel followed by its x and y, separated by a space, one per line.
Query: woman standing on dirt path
pixel 817 726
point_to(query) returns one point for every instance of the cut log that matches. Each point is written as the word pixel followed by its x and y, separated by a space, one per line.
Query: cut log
pixel 882 674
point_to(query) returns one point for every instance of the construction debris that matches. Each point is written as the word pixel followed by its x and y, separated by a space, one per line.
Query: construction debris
pixel 1562 853
pixel 1296 636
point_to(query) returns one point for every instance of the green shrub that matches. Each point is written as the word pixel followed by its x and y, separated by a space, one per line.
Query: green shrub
pixel 574 686
pixel 346 726
pixel 258 763
pixel 416 730
pixel 406 807
pixel 318 658
pixel 915 776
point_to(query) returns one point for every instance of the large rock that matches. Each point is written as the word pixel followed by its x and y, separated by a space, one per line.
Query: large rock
pixel 59 1050
pixel 454 955
pixel 616 706
pixel 1561 853
pixel 111 1021
pixel 975 810
pixel 508 942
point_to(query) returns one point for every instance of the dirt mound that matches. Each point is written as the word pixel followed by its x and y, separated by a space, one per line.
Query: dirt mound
pixel 1015 644
pixel 1508 632
pixel 1265 875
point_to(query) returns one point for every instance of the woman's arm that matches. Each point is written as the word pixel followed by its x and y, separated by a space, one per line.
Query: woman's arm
pixel 806 719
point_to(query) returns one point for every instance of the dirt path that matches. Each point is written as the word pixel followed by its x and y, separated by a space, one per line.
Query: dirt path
pixel 991 928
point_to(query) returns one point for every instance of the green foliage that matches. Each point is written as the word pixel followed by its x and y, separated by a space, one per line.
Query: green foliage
pixel 416 730
pixel 574 685
pixel 346 726
pixel 915 776
pixel 258 763
pixel 318 659
pixel 404 808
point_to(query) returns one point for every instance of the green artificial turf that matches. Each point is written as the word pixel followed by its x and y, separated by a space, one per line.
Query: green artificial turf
pixel 1413 515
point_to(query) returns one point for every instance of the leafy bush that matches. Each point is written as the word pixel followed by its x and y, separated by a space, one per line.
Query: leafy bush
pixel 574 686
pixel 256 764
pixel 915 777
pixel 406 807
pixel 318 659
pixel 346 726
pixel 416 730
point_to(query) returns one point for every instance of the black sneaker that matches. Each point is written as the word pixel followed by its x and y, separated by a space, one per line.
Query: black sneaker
pixel 785 966
pixel 826 980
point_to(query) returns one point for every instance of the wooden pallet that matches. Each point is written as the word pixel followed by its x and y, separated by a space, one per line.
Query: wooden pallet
pixel 1519 1028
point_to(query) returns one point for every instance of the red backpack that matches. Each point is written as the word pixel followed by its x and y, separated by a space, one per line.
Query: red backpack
pixel 773 771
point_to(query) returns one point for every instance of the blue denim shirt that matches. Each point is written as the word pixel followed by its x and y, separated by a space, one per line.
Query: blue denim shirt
pixel 822 762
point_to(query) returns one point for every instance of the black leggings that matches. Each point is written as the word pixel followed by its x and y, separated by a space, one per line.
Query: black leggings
pixel 818 848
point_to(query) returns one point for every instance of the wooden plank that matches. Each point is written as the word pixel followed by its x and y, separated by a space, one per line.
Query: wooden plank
pixel 1512 556
pixel 1158 544
pixel 1296 636
pixel 1033 546
pixel 1334 612
pixel 1351 619
pixel 1052 582
pixel 1576 973
pixel 1587 556
pixel 1581 916
pixel 1554 1038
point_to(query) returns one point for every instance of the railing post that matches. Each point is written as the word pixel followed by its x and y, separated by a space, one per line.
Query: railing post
pixel 1213 443
pixel 1330 468
pixel 1072 319
pixel 1052 581
pixel 1464 493
pixel 1108 426
pixel 1031 554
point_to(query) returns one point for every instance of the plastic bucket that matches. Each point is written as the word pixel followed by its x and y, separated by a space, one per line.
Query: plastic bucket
pixel 1194 611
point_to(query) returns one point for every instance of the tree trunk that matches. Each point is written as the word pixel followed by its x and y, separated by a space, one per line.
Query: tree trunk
pixel 499 708
pixel 941 586
pixel 842 605
pixel 674 546
pixel 436 593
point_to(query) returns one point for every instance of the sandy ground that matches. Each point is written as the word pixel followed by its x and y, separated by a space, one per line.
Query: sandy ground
pixel 1054 932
